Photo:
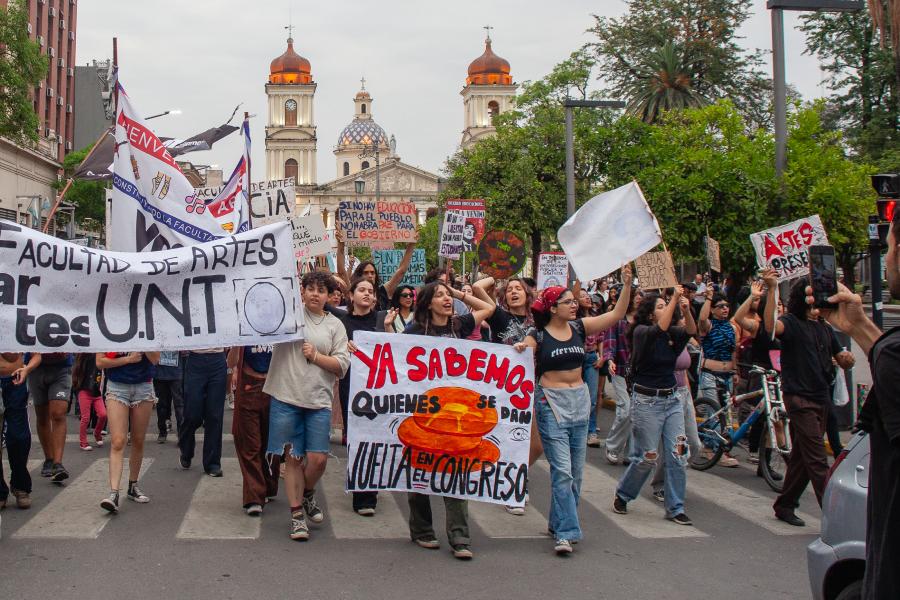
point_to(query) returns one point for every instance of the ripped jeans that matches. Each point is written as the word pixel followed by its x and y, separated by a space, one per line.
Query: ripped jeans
pixel 652 417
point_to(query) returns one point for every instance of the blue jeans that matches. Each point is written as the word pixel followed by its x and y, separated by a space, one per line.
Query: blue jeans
pixel 16 432
pixel 565 447
pixel 655 416
pixel 591 376
pixel 204 404
pixel 709 384
pixel 618 440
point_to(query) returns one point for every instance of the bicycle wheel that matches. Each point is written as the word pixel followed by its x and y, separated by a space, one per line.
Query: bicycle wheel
pixel 709 428
pixel 772 462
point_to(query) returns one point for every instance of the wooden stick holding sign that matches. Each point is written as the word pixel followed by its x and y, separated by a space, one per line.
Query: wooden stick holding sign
pixel 656 271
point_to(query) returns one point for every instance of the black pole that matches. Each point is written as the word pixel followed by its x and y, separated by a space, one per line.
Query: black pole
pixel 875 269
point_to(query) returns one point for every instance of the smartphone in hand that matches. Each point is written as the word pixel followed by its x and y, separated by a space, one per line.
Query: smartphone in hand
pixel 823 275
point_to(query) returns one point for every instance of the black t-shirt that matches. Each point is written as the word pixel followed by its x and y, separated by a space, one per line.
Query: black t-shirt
pixel 881 418
pixel 89 377
pixel 654 353
pixel 373 321
pixel 460 326
pixel 507 328
pixel 559 355
pixel 761 345
pixel 383 300
pixel 807 348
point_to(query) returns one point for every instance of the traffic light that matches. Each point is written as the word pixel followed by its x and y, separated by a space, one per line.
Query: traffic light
pixel 886 208
pixel 888 187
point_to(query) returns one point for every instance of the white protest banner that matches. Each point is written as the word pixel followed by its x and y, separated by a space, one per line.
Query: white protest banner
pixel 59 297
pixel 270 201
pixel 473 212
pixel 388 261
pixel 553 269
pixel 439 416
pixel 608 231
pixel 451 244
pixel 377 224
pixel 656 271
pixel 310 238
pixel 153 203
pixel 784 248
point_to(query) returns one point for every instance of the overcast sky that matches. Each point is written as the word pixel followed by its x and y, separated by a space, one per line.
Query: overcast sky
pixel 204 57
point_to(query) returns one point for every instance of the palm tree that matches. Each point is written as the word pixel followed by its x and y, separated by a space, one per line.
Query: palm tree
pixel 662 82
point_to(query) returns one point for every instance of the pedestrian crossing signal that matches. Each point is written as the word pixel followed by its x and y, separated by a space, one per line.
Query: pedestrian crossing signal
pixel 886 209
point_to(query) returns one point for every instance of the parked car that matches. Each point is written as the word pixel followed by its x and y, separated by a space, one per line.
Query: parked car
pixel 837 559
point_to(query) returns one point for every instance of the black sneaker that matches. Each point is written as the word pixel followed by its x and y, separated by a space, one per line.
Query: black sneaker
pixel 161 438
pixel 299 528
pixel 620 506
pixel 660 495
pixel 135 494
pixel 111 503
pixel 681 519
pixel 47 468
pixel 58 473
pixel 184 462
pixel 462 552
pixel 790 518
pixel 311 508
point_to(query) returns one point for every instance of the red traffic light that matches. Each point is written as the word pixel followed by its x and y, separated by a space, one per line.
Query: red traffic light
pixel 886 209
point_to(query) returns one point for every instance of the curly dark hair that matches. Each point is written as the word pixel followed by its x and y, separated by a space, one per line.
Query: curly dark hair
pixel 796 302
pixel 317 279
pixel 643 315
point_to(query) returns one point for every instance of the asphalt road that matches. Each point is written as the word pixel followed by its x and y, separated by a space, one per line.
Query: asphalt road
pixel 193 541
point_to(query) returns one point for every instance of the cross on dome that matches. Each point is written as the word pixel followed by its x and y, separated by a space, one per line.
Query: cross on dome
pixel 363 82
pixel 488 29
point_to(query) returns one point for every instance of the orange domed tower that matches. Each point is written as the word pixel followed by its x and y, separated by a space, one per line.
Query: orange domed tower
pixel 489 91
pixel 290 129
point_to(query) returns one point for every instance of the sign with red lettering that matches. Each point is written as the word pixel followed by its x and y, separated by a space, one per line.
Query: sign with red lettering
pixel 784 248
pixel 439 416
pixel 377 224
pixel 472 211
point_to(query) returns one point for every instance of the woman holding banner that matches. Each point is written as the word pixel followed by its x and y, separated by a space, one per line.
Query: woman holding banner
pixel 434 316
pixel 656 405
pixel 562 401
pixel 360 316
pixel 301 382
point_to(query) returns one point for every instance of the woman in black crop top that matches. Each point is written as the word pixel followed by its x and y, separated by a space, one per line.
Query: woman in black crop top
pixel 656 409
pixel 562 402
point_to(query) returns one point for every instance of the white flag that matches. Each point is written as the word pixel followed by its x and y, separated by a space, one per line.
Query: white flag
pixel 610 230
pixel 153 204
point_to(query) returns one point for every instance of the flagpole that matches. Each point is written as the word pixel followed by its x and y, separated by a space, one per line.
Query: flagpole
pixel 62 194
pixel 249 179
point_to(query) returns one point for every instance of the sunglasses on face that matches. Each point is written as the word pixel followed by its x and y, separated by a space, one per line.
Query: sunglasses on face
pixel 406 295
pixel 721 305
pixel 568 302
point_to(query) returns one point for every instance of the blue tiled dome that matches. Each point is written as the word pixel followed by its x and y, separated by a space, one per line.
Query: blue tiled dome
pixel 362 131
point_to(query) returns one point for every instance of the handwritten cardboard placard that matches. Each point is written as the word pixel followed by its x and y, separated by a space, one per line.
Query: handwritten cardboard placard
pixel 553 270
pixel 501 254
pixel 712 255
pixel 377 224
pixel 656 271
pixel 784 248
pixel 388 261
pixel 310 237
pixel 473 211
pixel 461 427
pixel 451 244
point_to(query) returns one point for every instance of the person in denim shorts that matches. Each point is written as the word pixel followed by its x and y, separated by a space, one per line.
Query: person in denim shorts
pixel 129 398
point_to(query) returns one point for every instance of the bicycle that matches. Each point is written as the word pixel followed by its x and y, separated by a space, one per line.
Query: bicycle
pixel 719 433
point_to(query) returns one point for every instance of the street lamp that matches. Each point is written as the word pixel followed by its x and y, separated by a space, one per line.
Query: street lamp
pixel 360 184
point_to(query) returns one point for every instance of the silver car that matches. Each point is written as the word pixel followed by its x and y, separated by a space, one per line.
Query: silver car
pixel 837 559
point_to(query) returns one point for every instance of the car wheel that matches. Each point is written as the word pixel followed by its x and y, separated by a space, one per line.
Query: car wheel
pixel 851 592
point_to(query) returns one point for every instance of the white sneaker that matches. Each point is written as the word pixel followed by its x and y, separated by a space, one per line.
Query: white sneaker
pixel 87 448
pixel 366 512
pixel 612 458
pixel 254 510
pixel 515 510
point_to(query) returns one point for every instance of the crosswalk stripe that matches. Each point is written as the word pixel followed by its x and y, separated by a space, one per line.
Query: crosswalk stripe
pixel 745 503
pixel 75 512
pixel 216 512
pixel 497 523
pixel 644 519
pixel 388 522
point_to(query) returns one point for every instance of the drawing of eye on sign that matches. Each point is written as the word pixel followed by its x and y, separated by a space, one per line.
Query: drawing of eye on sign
pixel 440 416
pixel 784 248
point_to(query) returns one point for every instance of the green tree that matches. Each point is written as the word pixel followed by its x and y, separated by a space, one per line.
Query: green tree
pixel 706 31
pixel 21 68
pixel 89 197
pixel 862 79
pixel 662 82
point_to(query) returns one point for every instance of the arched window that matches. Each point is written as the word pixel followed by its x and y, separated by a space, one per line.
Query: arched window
pixel 346 169
pixel 365 164
pixel 290 112
pixel 493 110
pixel 290 169
pixel 363 109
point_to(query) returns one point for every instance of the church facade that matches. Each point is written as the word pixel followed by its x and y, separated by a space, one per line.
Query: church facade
pixel 364 151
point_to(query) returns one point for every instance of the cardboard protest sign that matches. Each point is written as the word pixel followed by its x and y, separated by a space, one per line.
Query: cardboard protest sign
pixel 270 201
pixel 309 236
pixel 553 269
pixel 656 271
pixel 608 231
pixel 501 254
pixel 377 224
pixel 439 416
pixel 59 297
pixel 451 244
pixel 473 212
pixel 712 255
pixel 784 248
pixel 388 261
